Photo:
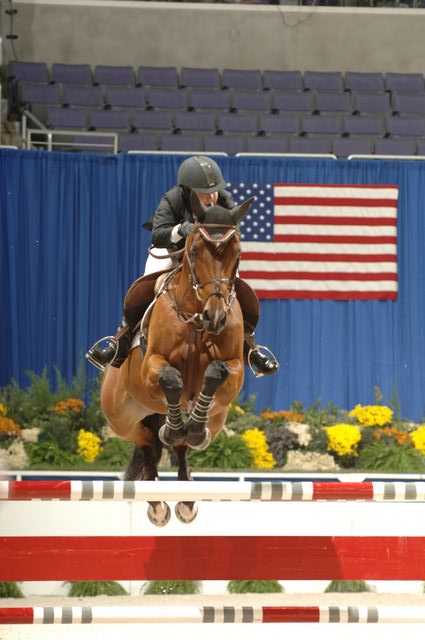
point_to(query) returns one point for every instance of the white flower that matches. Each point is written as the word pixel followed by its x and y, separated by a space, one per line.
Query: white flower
pixel 302 431
pixel 30 435
pixel 310 461
pixel 15 457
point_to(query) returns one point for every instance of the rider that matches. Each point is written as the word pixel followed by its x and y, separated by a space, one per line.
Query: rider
pixel 172 223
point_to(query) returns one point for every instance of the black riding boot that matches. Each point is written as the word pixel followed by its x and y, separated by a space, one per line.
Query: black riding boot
pixel 116 350
pixel 260 363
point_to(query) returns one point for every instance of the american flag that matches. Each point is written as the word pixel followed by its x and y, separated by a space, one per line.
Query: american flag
pixel 335 242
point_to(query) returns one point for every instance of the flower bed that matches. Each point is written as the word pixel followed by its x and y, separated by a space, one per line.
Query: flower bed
pixel 45 429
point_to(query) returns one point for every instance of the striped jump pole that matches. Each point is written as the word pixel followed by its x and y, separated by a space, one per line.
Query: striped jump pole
pixel 210 614
pixel 207 491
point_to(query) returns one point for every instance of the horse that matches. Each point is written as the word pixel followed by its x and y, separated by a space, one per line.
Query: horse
pixel 177 387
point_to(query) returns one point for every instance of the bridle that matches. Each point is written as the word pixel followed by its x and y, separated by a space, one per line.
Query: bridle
pixel 217 235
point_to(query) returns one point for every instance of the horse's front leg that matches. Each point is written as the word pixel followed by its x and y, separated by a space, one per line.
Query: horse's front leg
pixel 173 432
pixel 198 436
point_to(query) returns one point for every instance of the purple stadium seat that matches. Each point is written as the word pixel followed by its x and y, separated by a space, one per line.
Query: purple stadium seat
pixel 292 80
pixel 209 99
pixel 332 102
pixel 167 98
pixel 157 76
pixel 60 118
pixel 371 103
pixel 242 79
pixel 27 72
pixel 237 123
pixel 193 121
pixel 226 144
pixel 83 96
pixel 293 101
pixel 395 147
pixel 137 142
pixel 115 75
pixel 309 145
pixel 125 97
pixel 246 101
pixel 344 147
pixel 405 103
pixel 407 82
pixel 40 94
pixel 324 80
pixel 278 124
pixel 72 74
pixel 200 77
pixel 265 144
pixel 372 125
pixel 109 119
pixel 175 142
pixel 321 125
pixel 406 126
pixel 153 121
pixel 364 82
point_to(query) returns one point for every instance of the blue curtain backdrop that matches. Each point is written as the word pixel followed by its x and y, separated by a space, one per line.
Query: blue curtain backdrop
pixel 71 244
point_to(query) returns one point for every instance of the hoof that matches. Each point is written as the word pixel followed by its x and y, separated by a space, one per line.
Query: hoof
pixel 171 437
pixel 186 512
pixel 159 513
pixel 199 441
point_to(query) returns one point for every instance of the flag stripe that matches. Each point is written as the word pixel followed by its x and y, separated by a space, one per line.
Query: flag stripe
pixel 299 275
pixel 336 220
pixel 320 241
pixel 297 237
pixel 334 202
pixel 311 257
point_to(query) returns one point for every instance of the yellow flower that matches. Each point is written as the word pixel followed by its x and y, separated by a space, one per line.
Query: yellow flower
pixel 88 445
pixel 3 409
pixel 256 441
pixel 343 439
pixel 418 438
pixel 372 415
pixel 72 404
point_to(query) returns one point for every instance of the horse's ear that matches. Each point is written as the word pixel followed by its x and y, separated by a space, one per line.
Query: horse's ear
pixel 239 211
pixel 197 207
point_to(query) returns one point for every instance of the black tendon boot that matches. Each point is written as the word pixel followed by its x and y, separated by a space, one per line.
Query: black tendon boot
pixel 113 351
pixel 260 359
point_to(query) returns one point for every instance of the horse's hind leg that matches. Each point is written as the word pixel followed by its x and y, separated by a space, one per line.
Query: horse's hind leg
pixel 173 432
pixel 185 511
pixel 198 435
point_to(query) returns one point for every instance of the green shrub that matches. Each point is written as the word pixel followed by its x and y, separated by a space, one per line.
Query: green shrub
pixel 171 587
pixel 391 457
pixel 48 454
pixel 348 586
pixel 10 590
pixel 254 586
pixel 87 588
pixel 225 452
pixel 115 454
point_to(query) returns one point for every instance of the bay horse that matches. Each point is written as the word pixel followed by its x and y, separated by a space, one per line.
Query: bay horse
pixel 191 367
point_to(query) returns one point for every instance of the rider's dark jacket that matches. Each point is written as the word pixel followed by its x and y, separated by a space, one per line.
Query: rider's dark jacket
pixel 173 209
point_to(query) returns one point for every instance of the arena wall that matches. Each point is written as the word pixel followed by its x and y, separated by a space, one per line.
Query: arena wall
pixel 217 35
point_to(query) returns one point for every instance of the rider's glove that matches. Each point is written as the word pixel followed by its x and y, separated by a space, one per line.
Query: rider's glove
pixel 185 229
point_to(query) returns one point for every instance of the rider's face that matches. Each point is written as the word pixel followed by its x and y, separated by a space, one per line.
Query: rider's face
pixel 208 199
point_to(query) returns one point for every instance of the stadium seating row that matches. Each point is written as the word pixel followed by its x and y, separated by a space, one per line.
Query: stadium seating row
pixel 212 77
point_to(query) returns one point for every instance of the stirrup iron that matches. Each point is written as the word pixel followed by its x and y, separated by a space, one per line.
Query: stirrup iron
pixel 257 349
pixel 111 342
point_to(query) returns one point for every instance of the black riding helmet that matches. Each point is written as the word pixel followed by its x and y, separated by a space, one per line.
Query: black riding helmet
pixel 201 174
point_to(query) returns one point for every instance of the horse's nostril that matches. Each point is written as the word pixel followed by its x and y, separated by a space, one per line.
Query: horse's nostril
pixel 223 318
pixel 205 315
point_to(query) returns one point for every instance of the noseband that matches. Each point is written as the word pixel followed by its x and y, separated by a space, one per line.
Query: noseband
pixel 217 235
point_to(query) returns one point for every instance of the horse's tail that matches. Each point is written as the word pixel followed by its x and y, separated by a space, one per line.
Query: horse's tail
pixel 141 458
